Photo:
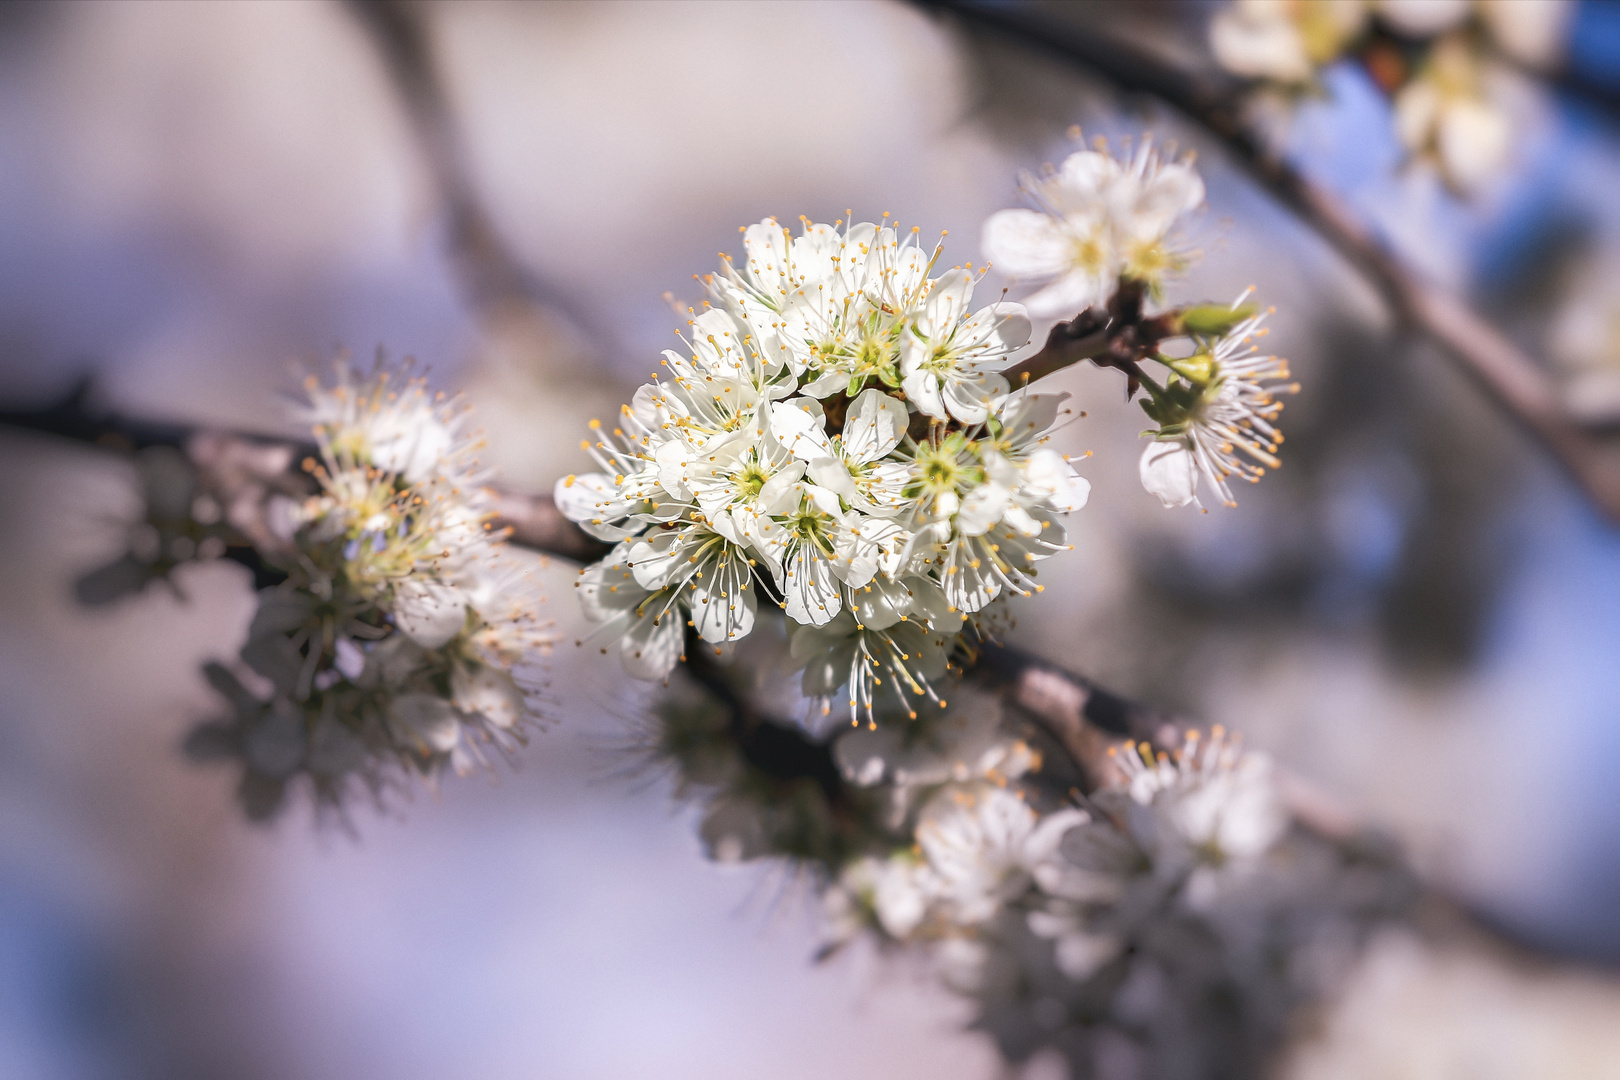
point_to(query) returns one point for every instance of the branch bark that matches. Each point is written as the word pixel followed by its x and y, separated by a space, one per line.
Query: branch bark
pixel 1512 379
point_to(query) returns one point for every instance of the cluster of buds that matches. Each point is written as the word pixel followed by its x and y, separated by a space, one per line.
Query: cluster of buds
pixel 390 646
pixel 1439 60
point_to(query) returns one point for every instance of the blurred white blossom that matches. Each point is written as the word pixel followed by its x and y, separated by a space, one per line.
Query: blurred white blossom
pixel 1447 113
pixel 1423 18
pixel 1441 61
pixel 1284 40
pixel 392 643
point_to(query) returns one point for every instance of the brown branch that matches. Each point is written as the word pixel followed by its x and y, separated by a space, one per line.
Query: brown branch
pixel 1117 335
pixel 1513 380
pixel 536 523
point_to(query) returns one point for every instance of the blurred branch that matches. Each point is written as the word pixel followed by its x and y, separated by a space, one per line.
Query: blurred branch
pixel 1083 719
pixel 536 523
pixel 1515 381
pixel 778 748
pixel 1081 716
pixel 491 276
pixel 75 418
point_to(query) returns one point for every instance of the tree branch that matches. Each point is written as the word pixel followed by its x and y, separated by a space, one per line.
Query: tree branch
pixel 491 276
pixel 1516 382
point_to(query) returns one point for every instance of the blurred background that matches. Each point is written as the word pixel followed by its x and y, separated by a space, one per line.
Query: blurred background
pixel 199 202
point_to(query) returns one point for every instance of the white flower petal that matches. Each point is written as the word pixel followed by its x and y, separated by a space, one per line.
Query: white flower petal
pixel 430 613
pixel 982 509
pixel 650 651
pixel 1259 48
pixel 1026 243
pixel 874 426
pixel 923 390
pixel 490 693
pixel 1170 471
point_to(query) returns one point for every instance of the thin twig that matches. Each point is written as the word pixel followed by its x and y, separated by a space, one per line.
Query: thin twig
pixel 1516 382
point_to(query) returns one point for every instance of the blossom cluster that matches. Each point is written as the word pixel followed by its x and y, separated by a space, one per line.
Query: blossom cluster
pixel 1102 224
pixel 1201 817
pixel 1442 61
pixel 1172 912
pixel 837 435
pixel 393 639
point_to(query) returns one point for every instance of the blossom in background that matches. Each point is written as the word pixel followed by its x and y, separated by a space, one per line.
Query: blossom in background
pixel 1448 105
pixel 978 848
pixel 837 428
pixel 983 843
pixel 1215 416
pixel 1531 34
pixel 1447 114
pixel 1284 40
pixel 1210 797
pixel 392 422
pixel 1178 839
pixel 1423 18
pixel 1099 219
pixel 392 645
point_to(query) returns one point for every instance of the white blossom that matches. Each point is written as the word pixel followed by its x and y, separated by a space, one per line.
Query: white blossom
pixel 1210 795
pixel 977 847
pixel 1533 33
pixel 894 891
pixel 1423 18
pixel 391 421
pixel 1218 405
pixel 1448 114
pixel 786 445
pixel 949 361
pixel 647 624
pixel 982 843
pixel 906 655
pixel 857 464
pixel 1284 40
pixel 1100 219
pixel 392 646
pixel 982 511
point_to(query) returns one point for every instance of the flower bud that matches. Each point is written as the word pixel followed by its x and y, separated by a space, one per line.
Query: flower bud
pixel 1214 320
